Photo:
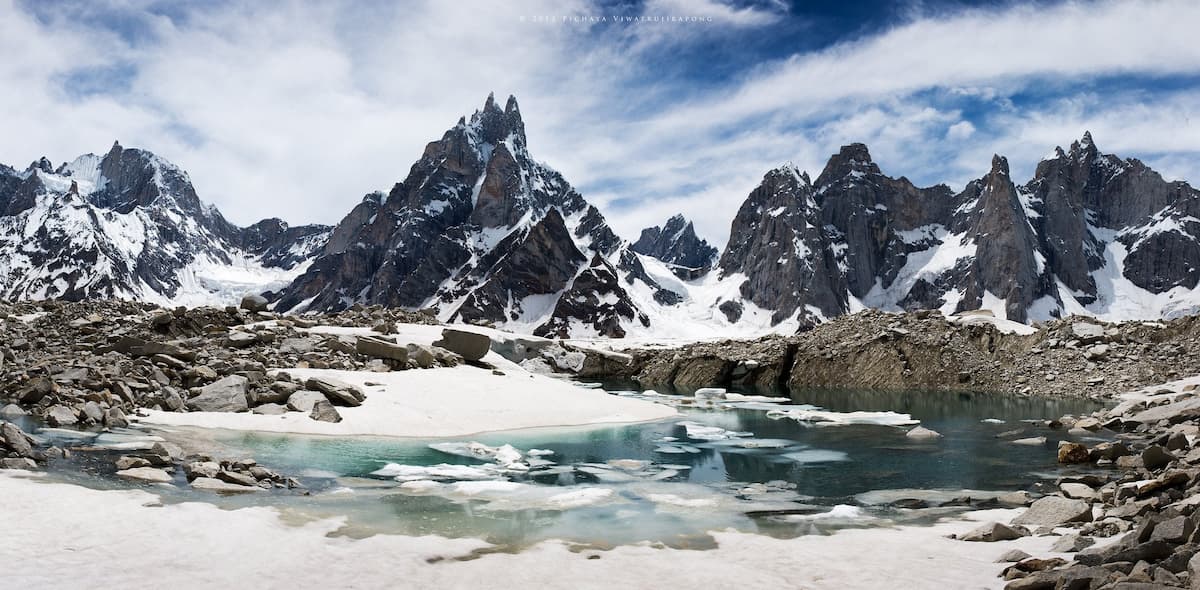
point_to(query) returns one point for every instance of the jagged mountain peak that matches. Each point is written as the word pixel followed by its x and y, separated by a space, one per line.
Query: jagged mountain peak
pixel 851 160
pixel 999 166
pixel 494 126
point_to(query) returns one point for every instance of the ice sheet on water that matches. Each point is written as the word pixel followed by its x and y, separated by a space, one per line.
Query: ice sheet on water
pixel 841 512
pixel 507 495
pixel 754 443
pixel 828 418
pixel 816 456
pixel 992 421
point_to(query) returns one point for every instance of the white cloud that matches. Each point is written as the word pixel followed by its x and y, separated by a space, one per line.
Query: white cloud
pixel 960 130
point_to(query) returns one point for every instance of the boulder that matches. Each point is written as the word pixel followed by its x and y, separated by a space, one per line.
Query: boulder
pixel 992 531
pixel 12 411
pixel 211 484
pixel 17 463
pixel 239 339
pixel 126 462
pixel 1174 530
pixel 59 415
pixel 254 303
pixel 470 345
pixel 149 474
pixel 1156 457
pixel 236 478
pixel 323 411
pixel 1013 556
pixel 115 418
pixel 93 412
pixel 197 469
pixel 337 392
pixel 1172 412
pixel 271 409
pixel 1078 491
pixel 1055 510
pixel 381 349
pixel 1073 452
pixel 16 440
pixel 304 400
pixel 422 355
pixel 1072 544
pixel 225 395
pixel 1086 332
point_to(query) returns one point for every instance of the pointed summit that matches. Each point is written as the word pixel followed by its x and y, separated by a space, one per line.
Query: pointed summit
pixel 511 108
pixel 999 165
pixel 854 158
pixel 495 126
pixel 1085 146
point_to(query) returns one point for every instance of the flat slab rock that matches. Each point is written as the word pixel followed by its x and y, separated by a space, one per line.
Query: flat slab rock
pixel 1055 510
pixel 149 474
pixel 215 485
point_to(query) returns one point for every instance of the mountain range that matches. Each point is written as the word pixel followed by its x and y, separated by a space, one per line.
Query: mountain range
pixel 481 232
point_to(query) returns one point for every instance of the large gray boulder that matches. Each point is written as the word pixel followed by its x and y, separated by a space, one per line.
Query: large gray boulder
pixel 1087 332
pixel 16 440
pixel 337 392
pixel 149 474
pixel 469 345
pixel 991 532
pixel 304 400
pixel 59 415
pixel 323 411
pixel 1055 510
pixel 1173 412
pixel 254 303
pixel 226 395
pixel 381 349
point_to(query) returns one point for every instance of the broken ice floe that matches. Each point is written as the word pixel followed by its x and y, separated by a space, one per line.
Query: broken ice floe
pixel 827 418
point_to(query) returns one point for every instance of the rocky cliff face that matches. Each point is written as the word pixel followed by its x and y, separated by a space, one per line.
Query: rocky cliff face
pixel 1090 233
pixel 482 233
pixel 130 225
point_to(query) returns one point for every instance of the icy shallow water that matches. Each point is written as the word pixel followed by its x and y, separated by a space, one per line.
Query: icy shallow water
pixel 746 464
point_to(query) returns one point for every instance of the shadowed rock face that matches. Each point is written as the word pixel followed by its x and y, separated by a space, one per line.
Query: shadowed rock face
pixel 858 236
pixel 478 230
pixel 676 244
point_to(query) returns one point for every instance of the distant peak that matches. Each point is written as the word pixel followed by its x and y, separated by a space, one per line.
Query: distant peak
pixel 1087 139
pixel 511 107
pixel 43 164
pixel 1086 145
pixel 853 158
pixel 490 103
pixel 496 125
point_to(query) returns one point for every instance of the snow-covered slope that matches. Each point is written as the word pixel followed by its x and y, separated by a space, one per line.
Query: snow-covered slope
pixel 129 225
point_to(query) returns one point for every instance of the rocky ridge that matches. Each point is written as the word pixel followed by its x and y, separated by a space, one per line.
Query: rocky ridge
pixel 924 350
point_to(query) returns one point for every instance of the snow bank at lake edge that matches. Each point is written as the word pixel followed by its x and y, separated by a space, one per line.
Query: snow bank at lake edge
pixel 131 542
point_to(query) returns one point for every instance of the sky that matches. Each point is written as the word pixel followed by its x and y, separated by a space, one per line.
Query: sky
pixel 296 109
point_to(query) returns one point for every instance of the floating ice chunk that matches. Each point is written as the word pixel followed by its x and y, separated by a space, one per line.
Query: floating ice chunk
pixel 838 512
pixel 439 472
pixel 738 397
pixel 665 439
pixel 664 474
pixel 817 456
pixel 590 385
pixel 755 443
pixel 538 452
pixel 992 421
pixel 507 495
pixel 504 455
pixel 65 434
pixel 579 498
pixel 319 473
pixel 710 393
pixel 673 500
pixel 676 449
pixel 608 475
pixel 698 431
pixel 340 491
pixel 827 418
pixel 628 464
